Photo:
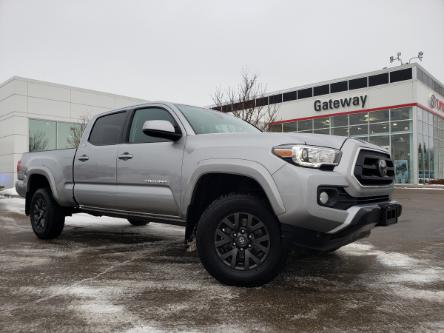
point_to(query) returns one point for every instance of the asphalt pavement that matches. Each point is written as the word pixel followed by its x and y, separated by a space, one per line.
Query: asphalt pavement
pixel 104 275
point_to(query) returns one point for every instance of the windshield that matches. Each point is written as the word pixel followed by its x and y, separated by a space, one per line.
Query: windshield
pixel 205 121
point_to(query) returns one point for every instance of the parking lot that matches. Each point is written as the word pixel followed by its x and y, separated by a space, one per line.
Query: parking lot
pixel 103 274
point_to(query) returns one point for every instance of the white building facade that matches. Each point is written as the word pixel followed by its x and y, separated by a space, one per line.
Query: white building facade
pixel 37 115
pixel 399 108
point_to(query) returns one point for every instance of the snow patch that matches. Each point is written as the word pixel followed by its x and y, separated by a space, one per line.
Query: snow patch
pixel 14 205
pixel 408 271
pixel 9 192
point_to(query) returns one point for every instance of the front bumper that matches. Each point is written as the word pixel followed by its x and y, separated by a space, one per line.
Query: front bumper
pixel 359 226
pixel 298 187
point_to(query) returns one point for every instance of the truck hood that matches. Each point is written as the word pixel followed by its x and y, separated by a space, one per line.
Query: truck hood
pixel 253 147
pixel 269 140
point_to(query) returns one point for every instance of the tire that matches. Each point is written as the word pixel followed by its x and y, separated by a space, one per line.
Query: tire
pixel 47 217
pixel 137 222
pixel 239 241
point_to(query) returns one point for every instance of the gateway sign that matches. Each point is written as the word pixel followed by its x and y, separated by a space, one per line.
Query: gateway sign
pixel 345 102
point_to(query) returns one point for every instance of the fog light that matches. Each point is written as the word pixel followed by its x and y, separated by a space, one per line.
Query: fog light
pixel 323 198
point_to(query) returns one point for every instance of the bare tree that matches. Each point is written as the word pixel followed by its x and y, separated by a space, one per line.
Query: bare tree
pixel 76 132
pixel 38 141
pixel 244 102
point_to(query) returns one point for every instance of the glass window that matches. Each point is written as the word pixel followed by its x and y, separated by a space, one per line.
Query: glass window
pixel 401 126
pixel 140 116
pixel 421 154
pixel 378 79
pixel 305 125
pixel 68 135
pixel 381 141
pixel 338 86
pixel 321 122
pixel 339 121
pixel 322 131
pixel 379 116
pixel 107 129
pixel 358 130
pixel 379 128
pixel 262 101
pixel 358 118
pixel 205 121
pixel 42 135
pixel 402 157
pixel 291 127
pixel 321 90
pixel 341 131
pixel 276 99
pixel 357 83
pixel 275 128
pixel 401 114
pixel 305 93
pixel 289 96
pixel 401 75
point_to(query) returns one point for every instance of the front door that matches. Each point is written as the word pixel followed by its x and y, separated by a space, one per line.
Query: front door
pixel 95 162
pixel 149 168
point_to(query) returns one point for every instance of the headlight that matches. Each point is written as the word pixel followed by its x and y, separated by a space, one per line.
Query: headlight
pixel 309 156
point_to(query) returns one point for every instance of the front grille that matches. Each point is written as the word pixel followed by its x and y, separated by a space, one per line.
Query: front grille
pixel 368 170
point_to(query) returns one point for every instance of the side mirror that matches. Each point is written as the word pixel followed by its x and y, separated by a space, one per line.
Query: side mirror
pixel 161 129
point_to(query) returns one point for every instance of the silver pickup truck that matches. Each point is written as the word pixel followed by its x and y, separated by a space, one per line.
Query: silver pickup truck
pixel 244 197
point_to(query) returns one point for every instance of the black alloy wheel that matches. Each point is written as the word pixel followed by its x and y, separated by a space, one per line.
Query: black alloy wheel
pixel 39 214
pixel 239 241
pixel 47 217
pixel 242 241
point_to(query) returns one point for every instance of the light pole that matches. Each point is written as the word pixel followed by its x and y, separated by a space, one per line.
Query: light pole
pixel 398 58
pixel 419 57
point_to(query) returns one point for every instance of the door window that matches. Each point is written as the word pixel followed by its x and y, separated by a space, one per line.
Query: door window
pixel 107 130
pixel 140 116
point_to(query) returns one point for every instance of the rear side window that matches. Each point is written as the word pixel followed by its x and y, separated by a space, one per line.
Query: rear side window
pixel 136 134
pixel 107 130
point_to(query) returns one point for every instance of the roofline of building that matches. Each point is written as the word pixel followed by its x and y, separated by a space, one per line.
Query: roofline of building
pixel 350 77
pixel 346 78
pixel 60 85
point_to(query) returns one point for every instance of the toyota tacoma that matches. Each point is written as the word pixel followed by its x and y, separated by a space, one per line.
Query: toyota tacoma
pixel 244 197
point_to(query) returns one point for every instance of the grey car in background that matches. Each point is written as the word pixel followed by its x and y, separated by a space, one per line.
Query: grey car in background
pixel 244 197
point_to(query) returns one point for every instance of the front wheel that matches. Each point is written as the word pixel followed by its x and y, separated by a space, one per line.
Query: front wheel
pixel 239 241
pixel 47 217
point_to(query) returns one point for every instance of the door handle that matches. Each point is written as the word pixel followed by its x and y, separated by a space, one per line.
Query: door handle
pixel 83 158
pixel 125 156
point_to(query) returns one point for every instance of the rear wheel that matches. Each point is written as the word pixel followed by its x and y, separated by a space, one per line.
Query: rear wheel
pixel 239 241
pixel 47 217
pixel 138 222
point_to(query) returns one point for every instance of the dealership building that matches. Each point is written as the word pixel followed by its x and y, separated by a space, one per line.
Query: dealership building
pixel 37 115
pixel 398 108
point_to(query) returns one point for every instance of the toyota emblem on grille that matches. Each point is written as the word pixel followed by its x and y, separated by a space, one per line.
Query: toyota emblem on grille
pixel 382 167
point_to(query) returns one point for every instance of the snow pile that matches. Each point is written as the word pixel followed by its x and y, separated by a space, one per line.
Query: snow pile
pixel 9 192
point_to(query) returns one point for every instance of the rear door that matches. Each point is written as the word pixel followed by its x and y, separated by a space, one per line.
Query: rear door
pixel 149 168
pixel 95 162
